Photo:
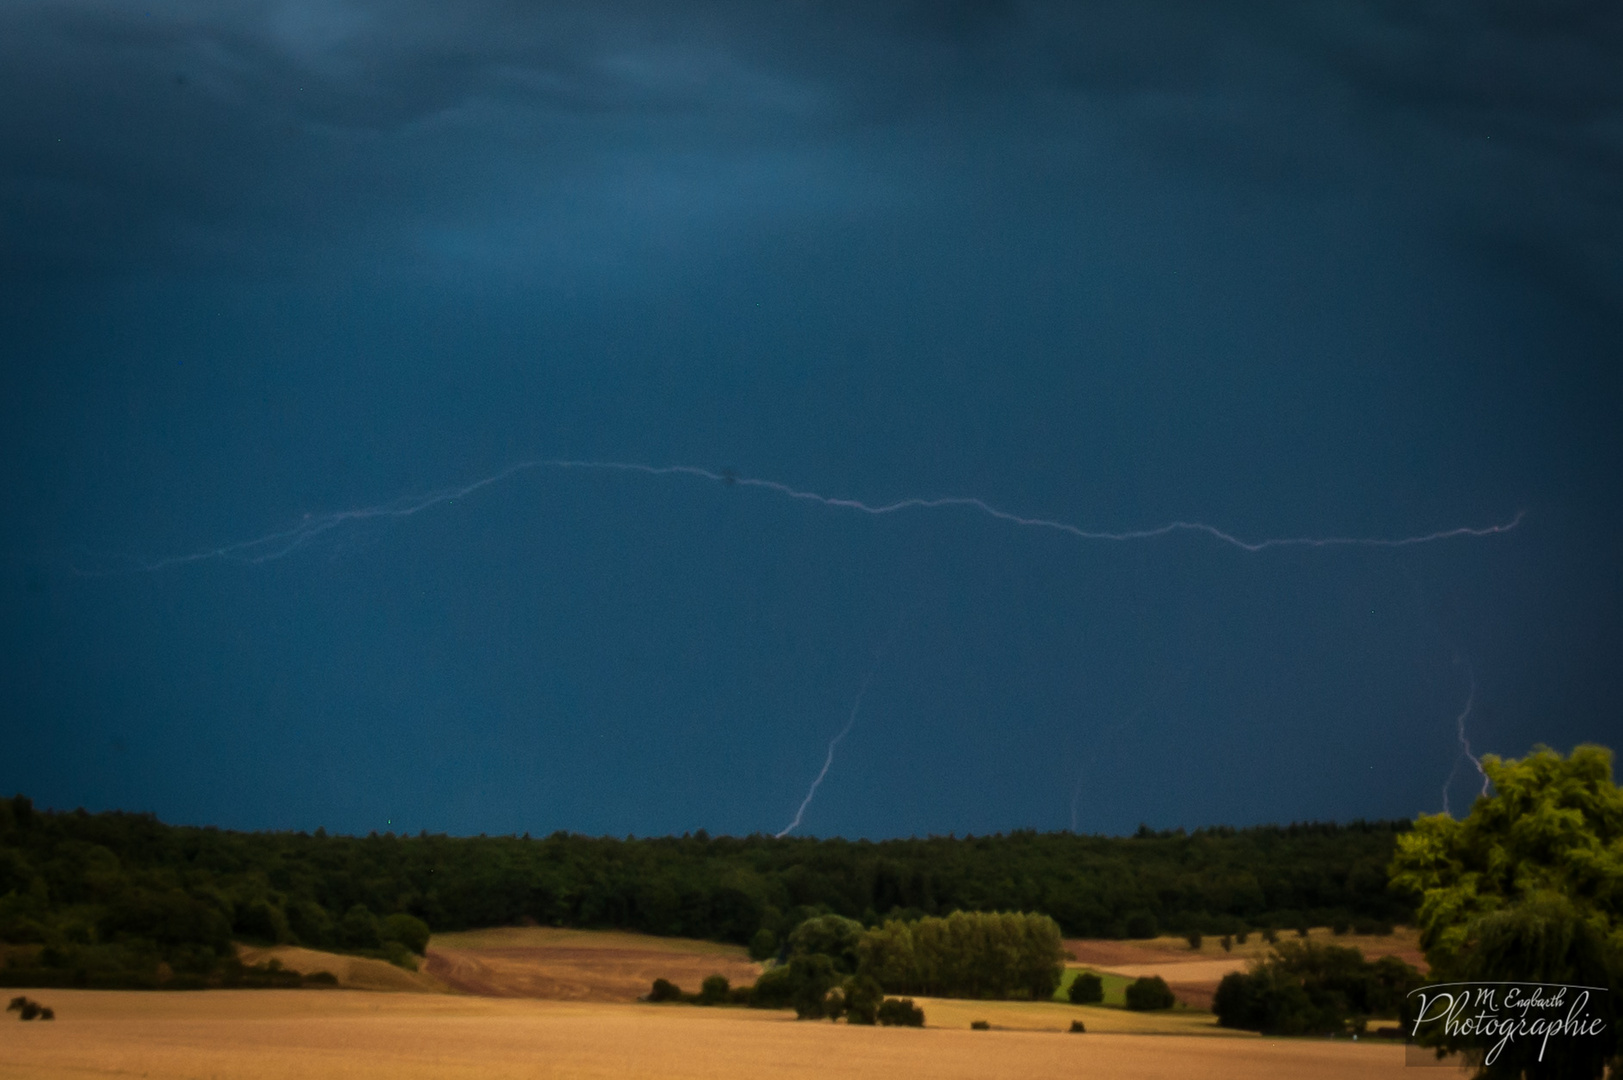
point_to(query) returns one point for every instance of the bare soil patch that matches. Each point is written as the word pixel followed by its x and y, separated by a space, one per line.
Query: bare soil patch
pixel 283 1035
pixel 577 965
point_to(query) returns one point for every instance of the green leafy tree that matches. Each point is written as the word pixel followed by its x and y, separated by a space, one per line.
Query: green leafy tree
pixel 1306 988
pixel 1149 993
pixel 811 977
pixel 408 930
pixel 900 1012
pixel 764 945
pixel 714 990
pixel 863 996
pixel 1086 989
pixel 833 936
pixel 664 990
pixel 1528 887
pixel 359 928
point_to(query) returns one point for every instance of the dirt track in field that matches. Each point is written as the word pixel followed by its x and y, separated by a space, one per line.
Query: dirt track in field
pixel 562 965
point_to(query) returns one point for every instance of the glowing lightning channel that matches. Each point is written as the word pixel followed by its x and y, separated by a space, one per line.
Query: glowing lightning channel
pixel 1465 747
pixel 850 722
pixel 284 542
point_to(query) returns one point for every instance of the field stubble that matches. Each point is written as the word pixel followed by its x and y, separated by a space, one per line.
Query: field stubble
pixel 312 1035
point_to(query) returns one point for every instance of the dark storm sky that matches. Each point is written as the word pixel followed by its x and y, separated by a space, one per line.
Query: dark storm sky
pixel 1289 269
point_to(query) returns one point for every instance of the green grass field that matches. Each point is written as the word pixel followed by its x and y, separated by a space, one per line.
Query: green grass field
pixel 1115 987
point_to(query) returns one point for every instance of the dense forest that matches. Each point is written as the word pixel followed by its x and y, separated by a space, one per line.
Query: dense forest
pixel 116 891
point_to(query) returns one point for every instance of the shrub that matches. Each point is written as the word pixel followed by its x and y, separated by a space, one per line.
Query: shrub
pixel 665 990
pixel 408 930
pixel 359 928
pixel 775 989
pixel 900 1012
pixel 714 990
pixel 1077 1028
pixel 764 945
pixel 1270 935
pixel 980 1025
pixel 1194 939
pixel 810 979
pixel 828 935
pixel 261 920
pixel 863 997
pixel 1149 993
pixel 1242 937
pixel 30 1010
pixel 1228 943
pixel 1305 988
pixel 1086 989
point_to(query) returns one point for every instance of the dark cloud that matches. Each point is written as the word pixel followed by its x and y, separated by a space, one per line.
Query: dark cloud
pixel 225 131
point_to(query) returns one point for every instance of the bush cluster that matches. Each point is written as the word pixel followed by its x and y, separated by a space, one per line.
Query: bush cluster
pixel 27 1009
pixel 1307 988
pixel 1149 993
pixel 967 954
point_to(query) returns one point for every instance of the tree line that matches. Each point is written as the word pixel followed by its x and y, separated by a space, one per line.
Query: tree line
pixel 119 891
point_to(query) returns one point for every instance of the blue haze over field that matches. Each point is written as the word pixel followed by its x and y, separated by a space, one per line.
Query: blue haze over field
pixel 1326 269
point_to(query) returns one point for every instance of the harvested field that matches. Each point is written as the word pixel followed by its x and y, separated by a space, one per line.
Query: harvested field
pixel 577 965
pixel 1193 975
pixel 352 972
pixel 315 1035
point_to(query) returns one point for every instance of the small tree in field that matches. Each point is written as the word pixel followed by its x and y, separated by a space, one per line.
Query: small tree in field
pixel 1149 993
pixel 714 990
pixel 1086 989
pixel 665 990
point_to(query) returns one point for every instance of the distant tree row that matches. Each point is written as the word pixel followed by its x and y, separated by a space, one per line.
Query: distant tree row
pixel 118 892
pixel 836 967
pixel 967 954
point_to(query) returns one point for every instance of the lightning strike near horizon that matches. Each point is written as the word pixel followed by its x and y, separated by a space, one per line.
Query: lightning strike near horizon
pixel 1465 746
pixel 850 722
pixel 284 542
pixel 1115 730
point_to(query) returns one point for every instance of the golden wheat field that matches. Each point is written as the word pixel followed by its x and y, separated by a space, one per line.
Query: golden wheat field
pixel 313 1035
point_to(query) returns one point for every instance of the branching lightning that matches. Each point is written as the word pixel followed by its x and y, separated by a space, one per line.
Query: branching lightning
pixel 284 542
pixel 850 722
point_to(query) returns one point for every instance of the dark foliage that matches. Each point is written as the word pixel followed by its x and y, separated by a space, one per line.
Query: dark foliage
pixel 715 990
pixel 1086 989
pixel 1077 1027
pixel 863 996
pixel 1149 993
pixel 665 990
pixel 900 1012
pixel 980 1025
pixel 1306 988
pixel 120 899
pixel 27 1009
pixel 974 954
